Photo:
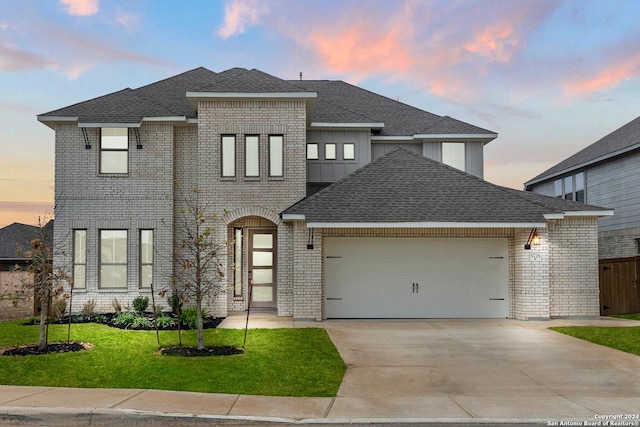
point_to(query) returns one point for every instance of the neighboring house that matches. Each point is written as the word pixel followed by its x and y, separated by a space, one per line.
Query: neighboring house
pixel 606 173
pixel 402 231
pixel 15 240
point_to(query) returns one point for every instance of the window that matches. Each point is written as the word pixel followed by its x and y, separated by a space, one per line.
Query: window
pixel 114 150
pixel 330 151
pixel 79 259
pixel 252 155
pixel 146 258
pixel 276 155
pixel 113 258
pixel 453 154
pixel 571 187
pixel 237 263
pixel 228 155
pixel 312 151
pixel 348 151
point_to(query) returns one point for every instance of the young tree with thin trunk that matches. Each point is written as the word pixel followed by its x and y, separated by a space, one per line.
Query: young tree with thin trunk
pixel 199 272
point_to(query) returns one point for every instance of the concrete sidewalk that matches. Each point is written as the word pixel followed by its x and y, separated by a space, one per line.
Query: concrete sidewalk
pixel 410 372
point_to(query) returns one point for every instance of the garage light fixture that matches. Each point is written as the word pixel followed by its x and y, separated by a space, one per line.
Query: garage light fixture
pixel 534 239
pixel 310 239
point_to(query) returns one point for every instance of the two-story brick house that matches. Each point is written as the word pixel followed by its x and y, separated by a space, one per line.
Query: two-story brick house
pixel 408 232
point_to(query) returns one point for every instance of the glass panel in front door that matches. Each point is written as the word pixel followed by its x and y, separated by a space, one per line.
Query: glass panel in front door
pixel 263 259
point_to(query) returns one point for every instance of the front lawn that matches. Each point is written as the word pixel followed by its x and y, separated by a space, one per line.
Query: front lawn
pixel 634 316
pixel 277 362
pixel 625 338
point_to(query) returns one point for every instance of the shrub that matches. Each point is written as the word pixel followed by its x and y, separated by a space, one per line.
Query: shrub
pixel 89 309
pixel 164 321
pixel 124 318
pixel 175 304
pixel 189 317
pixel 58 307
pixel 140 303
pixel 140 321
pixel 117 307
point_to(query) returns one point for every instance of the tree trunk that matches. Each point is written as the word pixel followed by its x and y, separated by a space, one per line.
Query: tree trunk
pixel 200 325
pixel 44 318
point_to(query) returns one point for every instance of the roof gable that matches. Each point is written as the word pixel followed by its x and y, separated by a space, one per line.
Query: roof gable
pixel 405 187
pixel 617 142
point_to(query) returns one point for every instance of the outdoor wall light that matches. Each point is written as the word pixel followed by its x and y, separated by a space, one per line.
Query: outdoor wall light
pixel 310 239
pixel 534 239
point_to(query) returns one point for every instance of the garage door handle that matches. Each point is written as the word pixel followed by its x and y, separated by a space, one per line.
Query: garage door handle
pixel 415 288
pixel 496 299
pixel 334 299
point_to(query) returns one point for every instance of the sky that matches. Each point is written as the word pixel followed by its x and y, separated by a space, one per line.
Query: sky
pixel 549 76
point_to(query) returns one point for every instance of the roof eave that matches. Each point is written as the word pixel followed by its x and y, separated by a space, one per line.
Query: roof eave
pixel 329 125
pixel 50 121
pixel 563 215
pixel 486 138
pixel 436 224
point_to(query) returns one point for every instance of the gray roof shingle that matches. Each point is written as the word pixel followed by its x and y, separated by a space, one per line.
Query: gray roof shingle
pixel 15 239
pixel 617 141
pixel 338 102
pixel 403 186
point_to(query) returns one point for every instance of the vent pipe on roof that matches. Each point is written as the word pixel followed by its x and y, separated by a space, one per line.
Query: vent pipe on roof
pixel 300 75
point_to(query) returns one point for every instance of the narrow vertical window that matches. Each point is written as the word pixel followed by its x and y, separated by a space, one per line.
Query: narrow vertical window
pixel 580 187
pixel 312 151
pixel 237 263
pixel 348 152
pixel 79 259
pixel 568 188
pixel 330 151
pixel 252 155
pixel 146 258
pixel 453 154
pixel 276 155
pixel 113 258
pixel 228 155
pixel 114 150
pixel 557 188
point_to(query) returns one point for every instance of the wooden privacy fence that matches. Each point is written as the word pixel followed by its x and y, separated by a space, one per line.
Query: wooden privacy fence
pixel 619 287
pixel 10 283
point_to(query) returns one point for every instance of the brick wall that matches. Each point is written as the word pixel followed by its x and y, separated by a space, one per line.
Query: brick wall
pixel 141 199
pixel 618 243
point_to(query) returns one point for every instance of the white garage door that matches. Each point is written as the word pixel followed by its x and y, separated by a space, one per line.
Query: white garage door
pixel 416 278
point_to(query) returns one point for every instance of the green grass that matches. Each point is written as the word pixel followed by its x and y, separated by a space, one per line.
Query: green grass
pixel 277 362
pixel 635 316
pixel 625 338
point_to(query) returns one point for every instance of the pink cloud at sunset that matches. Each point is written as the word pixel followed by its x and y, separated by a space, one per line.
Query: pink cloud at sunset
pixel 241 14
pixel 81 7
pixel 609 77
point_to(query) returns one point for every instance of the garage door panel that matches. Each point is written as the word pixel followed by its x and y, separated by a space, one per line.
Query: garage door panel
pixel 374 277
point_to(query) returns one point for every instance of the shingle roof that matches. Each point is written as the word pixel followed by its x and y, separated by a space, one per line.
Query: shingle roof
pixel 338 102
pixel 16 238
pixel 403 186
pixel 617 141
pixel 398 118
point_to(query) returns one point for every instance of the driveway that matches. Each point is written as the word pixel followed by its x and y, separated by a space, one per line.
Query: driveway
pixel 495 369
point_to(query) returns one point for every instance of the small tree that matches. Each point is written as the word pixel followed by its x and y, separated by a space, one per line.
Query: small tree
pixel 199 274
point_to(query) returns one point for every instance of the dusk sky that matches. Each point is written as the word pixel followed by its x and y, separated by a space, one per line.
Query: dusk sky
pixel 549 76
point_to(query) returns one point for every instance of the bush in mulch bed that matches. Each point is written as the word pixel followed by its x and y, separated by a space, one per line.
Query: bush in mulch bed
pixel 26 350
pixel 224 350
pixel 138 322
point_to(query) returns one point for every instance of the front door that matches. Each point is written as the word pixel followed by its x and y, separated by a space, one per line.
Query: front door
pixel 262 267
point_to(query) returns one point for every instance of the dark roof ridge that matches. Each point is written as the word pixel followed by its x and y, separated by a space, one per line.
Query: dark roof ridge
pixel 176 76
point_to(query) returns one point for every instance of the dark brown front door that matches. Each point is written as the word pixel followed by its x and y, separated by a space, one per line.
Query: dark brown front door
pixel 262 267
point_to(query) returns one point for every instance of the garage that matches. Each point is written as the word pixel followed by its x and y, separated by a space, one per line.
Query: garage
pixel 367 277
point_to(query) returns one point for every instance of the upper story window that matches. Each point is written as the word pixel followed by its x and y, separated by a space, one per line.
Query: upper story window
pixel 330 151
pixel 312 151
pixel 228 155
pixel 114 150
pixel 252 156
pixel 348 151
pixel 453 154
pixel 276 155
pixel 570 187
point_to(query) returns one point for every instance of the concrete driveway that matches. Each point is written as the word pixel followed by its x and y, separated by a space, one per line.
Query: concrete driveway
pixel 491 369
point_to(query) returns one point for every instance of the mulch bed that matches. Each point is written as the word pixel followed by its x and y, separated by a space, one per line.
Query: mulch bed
pixel 26 350
pixel 224 350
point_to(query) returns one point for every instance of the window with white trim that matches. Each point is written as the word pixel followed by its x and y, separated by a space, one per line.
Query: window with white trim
pixel 312 151
pixel 114 150
pixel 113 258
pixel 330 151
pixel 571 187
pixel 348 151
pixel 453 154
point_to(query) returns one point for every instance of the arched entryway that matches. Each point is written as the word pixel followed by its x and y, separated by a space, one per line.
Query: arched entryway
pixel 253 258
